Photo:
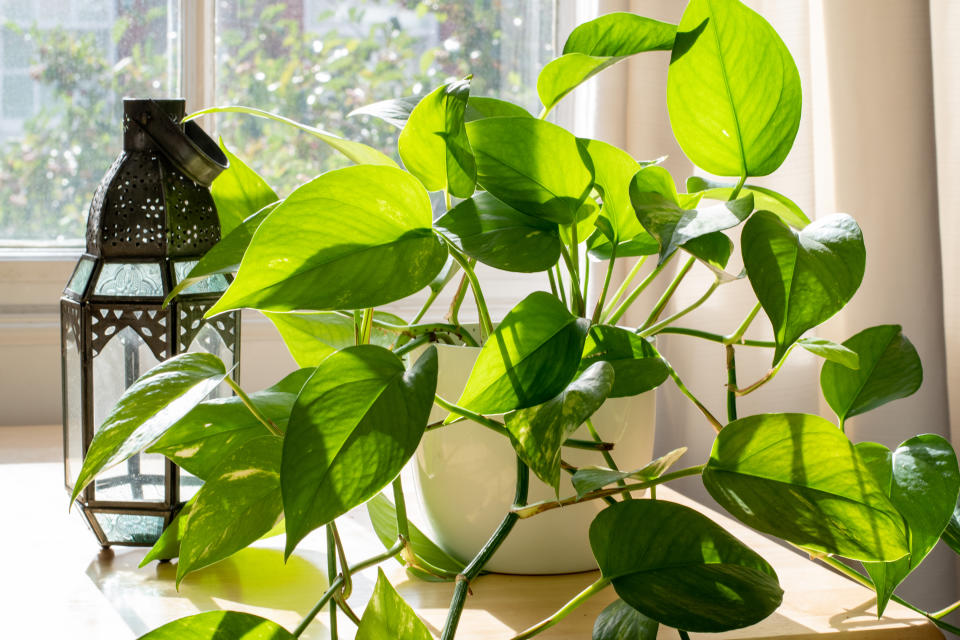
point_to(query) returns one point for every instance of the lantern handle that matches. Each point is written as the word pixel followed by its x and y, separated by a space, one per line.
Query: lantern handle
pixel 189 147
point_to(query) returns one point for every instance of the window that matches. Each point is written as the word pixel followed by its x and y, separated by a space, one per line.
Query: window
pixel 67 63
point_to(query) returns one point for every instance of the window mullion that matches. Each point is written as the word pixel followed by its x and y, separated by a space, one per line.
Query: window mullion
pixel 198 64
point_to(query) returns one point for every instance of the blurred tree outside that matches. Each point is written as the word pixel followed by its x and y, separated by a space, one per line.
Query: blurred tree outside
pixel 310 60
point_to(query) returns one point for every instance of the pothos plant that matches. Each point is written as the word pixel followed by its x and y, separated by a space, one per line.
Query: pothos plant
pixel 524 195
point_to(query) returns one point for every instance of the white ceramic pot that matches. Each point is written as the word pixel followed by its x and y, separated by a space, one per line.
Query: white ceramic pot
pixel 464 477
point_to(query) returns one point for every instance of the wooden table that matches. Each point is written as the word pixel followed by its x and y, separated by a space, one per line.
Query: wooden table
pixel 56 583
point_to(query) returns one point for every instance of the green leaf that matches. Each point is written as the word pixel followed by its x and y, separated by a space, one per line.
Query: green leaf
pixel 537 433
pixel 480 107
pixel 225 256
pixel 155 402
pixel 357 421
pixel 352 238
pixel 199 440
pixel 658 207
pixel 595 45
pixel 356 151
pixel 532 165
pixel 733 90
pixel 239 192
pixel 530 357
pixel 588 479
pixel 797 477
pixel 498 235
pixel 620 621
pixel 889 369
pixel 311 336
pixel 433 144
pixel 450 268
pixel 951 535
pixel 383 516
pixel 685 572
pixel 925 481
pixel 613 172
pixel 636 367
pixel 599 246
pixel 879 460
pixel 831 351
pixel 220 625
pixel 238 504
pixel 394 111
pixel 802 278
pixel 167 545
pixel 764 199
pixel 389 617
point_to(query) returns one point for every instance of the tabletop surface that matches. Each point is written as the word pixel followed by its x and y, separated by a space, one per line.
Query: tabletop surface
pixel 58 584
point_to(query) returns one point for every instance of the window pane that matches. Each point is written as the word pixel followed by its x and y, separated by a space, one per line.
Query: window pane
pixel 65 66
pixel 316 60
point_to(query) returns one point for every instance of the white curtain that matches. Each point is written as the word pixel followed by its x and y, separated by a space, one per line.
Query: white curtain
pixel 881 87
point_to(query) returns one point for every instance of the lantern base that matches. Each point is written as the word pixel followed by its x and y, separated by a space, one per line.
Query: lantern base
pixel 128 527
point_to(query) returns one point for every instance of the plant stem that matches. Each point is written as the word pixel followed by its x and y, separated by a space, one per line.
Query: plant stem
pixel 470 415
pixel 414 330
pixel 564 611
pixel 586 284
pixel 591 445
pixel 547 505
pixel 731 383
pixel 606 455
pixel 622 309
pixel 366 326
pixel 553 283
pixel 660 326
pixel 622 289
pixel 716 337
pixel 575 297
pixel 476 565
pixel 665 298
pixel 569 468
pixel 248 403
pixel 683 634
pixel 426 306
pixel 767 377
pixel 403 525
pixel 560 289
pixel 946 610
pixel 485 324
pixel 342 558
pixel 453 312
pixel 598 308
pixel 407 347
pixel 332 576
pixel 736 189
pixel 737 336
pixel 342 604
pixel 683 388
pixel 446 199
pixel 338 582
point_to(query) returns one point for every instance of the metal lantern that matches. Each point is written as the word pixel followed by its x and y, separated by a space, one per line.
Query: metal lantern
pixel 152 218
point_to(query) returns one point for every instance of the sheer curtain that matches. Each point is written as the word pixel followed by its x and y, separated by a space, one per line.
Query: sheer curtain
pixel 881 82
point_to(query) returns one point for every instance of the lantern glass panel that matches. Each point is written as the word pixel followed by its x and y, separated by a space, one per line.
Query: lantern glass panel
pixel 126 528
pixel 130 279
pixel 124 359
pixel 73 404
pixel 214 284
pixel 81 276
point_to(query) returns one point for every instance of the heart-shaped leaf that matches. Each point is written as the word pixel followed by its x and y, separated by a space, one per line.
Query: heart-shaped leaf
pixel 220 625
pixel 620 621
pixel 588 479
pixel 153 404
pixel 498 235
pixel 167 545
pixel 356 151
pixel 595 45
pixel 831 351
pixel 636 366
pixel 199 440
pixel 797 477
pixel 889 369
pixel 225 256
pixel 394 111
pixel 599 246
pixel 389 617
pixel 238 503
pixel 349 239
pixel 613 172
pixel 537 433
pixel 480 107
pixel 239 192
pixel 357 421
pixel 311 336
pixel 530 358
pixel 951 535
pixel 802 278
pixel 924 485
pixel 733 90
pixel 659 210
pixel 433 144
pixel 763 198
pixel 685 572
pixel 532 165
pixel 383 517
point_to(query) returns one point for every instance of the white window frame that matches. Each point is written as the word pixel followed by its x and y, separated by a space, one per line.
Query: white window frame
pixel 32 277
